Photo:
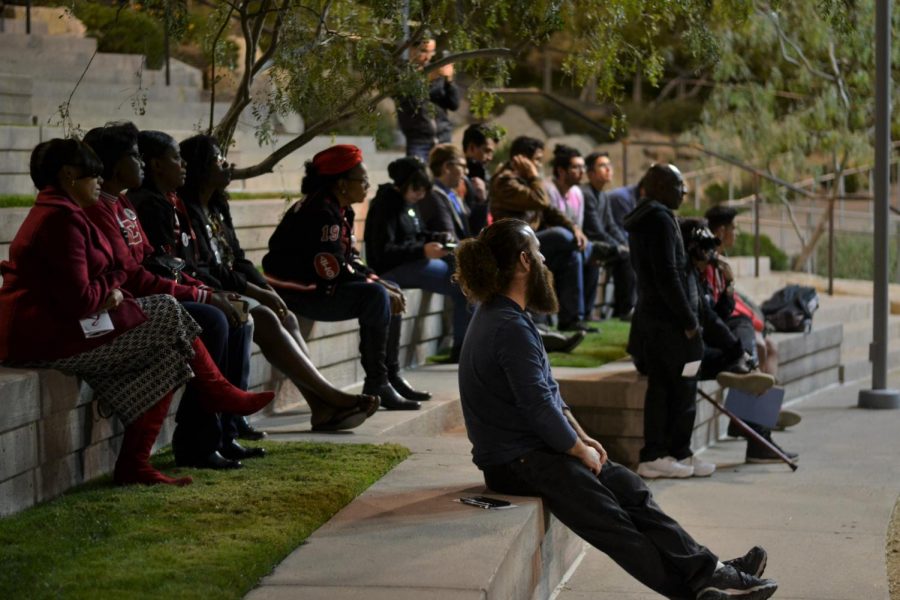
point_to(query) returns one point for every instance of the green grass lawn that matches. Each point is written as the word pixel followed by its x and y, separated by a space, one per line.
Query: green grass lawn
pixel 213 539
pixel 16 200
pixel 596 350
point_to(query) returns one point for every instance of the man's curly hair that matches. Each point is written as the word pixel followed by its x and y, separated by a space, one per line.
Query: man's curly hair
pixel 485 265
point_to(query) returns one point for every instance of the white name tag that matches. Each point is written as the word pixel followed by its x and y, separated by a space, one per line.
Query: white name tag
pixel 96 325
pixel 691 369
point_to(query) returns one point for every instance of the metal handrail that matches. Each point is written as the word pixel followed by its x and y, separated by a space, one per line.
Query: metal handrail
pixel 758 174
pixel 556 100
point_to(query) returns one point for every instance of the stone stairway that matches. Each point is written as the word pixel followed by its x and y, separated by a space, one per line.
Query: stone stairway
pixel 405 537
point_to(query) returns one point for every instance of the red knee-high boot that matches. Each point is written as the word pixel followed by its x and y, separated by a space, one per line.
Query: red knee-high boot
pixel 217 394
pixel 133 464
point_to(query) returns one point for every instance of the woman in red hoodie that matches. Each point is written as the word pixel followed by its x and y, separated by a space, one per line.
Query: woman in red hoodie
pixel 62 306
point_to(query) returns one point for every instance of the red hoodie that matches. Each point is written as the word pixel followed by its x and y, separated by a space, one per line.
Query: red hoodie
pixel 61 269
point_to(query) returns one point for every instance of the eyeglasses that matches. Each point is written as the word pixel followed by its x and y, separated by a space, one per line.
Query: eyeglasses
pixel 363 180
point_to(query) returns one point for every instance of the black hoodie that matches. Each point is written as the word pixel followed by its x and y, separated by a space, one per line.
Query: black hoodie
pixel 668 301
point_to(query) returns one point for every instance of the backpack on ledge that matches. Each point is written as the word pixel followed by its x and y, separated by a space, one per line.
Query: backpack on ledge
pixel 791 308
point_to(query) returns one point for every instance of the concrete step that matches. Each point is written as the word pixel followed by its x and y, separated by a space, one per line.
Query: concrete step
pixel 792 346
pixel 858 334
pixel 842 309
pixel 517 554
pixel 858 366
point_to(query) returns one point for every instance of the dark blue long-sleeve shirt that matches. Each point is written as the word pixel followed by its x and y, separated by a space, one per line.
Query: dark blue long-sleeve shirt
pixel 511 403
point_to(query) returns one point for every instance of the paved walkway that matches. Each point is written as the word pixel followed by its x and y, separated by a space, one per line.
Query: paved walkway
pixel 824 526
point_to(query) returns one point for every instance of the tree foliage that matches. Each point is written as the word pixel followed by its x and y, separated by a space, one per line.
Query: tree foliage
pixel 332 60
pixel 794 91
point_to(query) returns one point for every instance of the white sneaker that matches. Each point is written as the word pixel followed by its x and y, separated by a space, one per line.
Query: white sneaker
pixel 701 467
pixel 666 466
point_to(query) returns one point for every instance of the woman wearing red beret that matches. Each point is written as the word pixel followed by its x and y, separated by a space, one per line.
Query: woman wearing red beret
pixel 222 264
pixel 316 269
pixel 63 306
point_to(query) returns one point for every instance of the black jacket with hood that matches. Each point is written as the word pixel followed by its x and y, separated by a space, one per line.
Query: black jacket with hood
pixel 668 301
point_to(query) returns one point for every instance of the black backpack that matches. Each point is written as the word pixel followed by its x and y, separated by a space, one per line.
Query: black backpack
pixel 791 308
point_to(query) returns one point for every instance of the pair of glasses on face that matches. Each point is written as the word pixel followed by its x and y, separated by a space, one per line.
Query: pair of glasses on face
pixel 364 181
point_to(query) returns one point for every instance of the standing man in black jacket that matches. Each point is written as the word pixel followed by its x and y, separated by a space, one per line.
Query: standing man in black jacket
pixel 665 331
pixel 424 121
pixel 600 226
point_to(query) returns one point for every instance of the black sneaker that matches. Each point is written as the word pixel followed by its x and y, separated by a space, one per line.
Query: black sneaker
pixel 578 326
pixel 759 454
pixel 727 582
pixel 752 563
pixel 555 341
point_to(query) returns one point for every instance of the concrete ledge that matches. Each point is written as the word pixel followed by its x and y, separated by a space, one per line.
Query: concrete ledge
pixel 52 438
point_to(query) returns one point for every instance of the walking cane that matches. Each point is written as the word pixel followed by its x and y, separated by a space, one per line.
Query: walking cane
pixel 749 431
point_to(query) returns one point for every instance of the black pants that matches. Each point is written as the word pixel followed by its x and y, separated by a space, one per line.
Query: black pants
pixel 669 411
pixel 742 328
pixel 614 512
pixel 198 432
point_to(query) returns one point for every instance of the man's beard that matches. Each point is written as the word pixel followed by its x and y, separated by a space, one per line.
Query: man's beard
pixel 540 294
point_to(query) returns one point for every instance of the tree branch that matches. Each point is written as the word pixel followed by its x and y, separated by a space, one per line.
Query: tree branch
pixel 838 76
pixel 212 77
pixel 268 163
pixel 783 39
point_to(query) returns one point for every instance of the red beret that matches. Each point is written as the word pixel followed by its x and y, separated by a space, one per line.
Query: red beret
pixel 337 159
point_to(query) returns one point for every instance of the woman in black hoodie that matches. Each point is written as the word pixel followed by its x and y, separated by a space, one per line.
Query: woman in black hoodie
pixel 399 248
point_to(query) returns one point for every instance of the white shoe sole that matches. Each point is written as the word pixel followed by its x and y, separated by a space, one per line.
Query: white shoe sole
pixel 654 474
pixel 758 592
pixel 752 383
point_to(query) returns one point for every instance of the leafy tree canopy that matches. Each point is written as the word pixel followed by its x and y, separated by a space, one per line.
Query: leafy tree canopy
pixel 331 60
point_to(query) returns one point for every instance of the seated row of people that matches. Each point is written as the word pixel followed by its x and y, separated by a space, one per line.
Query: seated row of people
pixel 70 301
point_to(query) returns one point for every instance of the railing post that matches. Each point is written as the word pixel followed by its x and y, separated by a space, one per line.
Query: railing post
pixel 28 17
pixel 756 244
pixel 624 162
pixel 831 249
pixel 696 192
pixel 730 183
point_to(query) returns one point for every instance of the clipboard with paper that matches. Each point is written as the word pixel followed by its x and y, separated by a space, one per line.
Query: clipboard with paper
pixel 762 410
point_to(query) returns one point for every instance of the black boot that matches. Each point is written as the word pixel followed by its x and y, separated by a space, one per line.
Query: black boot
pixel 246 431
pixel 392 360
pixel 403 388
pixel 389 397
pixel 373 343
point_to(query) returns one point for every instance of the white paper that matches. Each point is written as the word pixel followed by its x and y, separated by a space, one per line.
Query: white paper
pixel 97 325
pixel 691 369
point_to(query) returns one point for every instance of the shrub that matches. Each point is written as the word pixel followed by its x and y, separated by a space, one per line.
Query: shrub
pixel 743 246
pixel 125 32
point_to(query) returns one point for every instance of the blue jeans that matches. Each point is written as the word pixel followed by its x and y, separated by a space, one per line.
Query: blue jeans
pixel 419 149
pixel 433 275
pixel 369 303
pixel 566 262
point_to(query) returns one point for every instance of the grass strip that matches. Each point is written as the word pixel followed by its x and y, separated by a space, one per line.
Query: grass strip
pixel 597 349
pixel 213 539
pixel 16 200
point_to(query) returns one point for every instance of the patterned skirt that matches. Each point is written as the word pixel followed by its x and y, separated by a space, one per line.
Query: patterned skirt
pixel 135 370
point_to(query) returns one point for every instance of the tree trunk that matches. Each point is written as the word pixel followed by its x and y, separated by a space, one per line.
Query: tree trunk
pixel 813 241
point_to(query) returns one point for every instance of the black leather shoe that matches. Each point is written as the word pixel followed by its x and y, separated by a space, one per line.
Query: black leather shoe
pixel 402 387
pixel 389 397
pixel 234 451
pixel 215 461
pixel 246 431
